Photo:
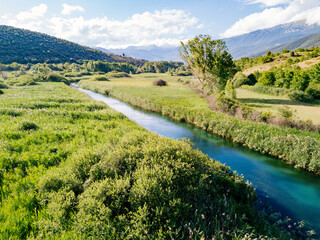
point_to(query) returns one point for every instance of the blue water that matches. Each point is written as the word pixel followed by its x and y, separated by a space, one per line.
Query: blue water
pixel 292 192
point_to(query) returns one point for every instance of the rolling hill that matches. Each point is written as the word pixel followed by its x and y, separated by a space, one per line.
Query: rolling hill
pixel 24 46
pixel 305 42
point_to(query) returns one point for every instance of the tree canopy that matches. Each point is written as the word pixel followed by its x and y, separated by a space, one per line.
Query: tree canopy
pixel 209 61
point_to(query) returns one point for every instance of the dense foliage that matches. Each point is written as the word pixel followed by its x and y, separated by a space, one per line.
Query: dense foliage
pixel 72 168
pixel 209 61
pixel 295 147
pixel 24 46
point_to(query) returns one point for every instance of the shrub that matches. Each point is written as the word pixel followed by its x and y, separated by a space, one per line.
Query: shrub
pixel 1 92
pixel 240 79
pixel 3 85
pixel 24 80
pixel 267 90
pixel 100 78
pixel 57 78
pixel 159 82
pixel 286 112
pixel 28 126
pixel 267 79
pixel 226 104
pixel 118 74
pixel 300 96
pixel 230 91
pixel 314 90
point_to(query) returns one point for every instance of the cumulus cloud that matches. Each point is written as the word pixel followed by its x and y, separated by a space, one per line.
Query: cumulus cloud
pixel 68 9
pixel 268 3
pixel 296 10
pixel 33 13
pixel 161 27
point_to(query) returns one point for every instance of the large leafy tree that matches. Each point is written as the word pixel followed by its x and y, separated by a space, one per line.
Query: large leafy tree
pixel 209 61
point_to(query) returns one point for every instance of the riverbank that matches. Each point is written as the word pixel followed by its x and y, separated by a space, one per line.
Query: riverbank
pixel 295 147
pixel 72 168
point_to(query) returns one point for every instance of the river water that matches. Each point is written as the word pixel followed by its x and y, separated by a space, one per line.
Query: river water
pixel 292 192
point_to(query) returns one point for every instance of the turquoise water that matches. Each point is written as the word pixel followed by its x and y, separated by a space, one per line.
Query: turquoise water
pixel 292 192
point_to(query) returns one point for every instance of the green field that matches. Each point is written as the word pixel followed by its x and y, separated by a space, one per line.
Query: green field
pixel 263 102
pixel 72 168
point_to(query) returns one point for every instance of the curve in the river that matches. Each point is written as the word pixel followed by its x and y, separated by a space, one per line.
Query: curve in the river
pixel 290 191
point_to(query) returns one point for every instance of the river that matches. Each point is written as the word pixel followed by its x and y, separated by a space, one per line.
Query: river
pixel 292 192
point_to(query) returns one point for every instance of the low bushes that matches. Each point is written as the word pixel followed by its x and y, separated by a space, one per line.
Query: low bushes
pixel 300 96
pixel 159 82
pixel 267 90
pixel 117 74
pixel 314 90
pixel 99 78
pixel 57 78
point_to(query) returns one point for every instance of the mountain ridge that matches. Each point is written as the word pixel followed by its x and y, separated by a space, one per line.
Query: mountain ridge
pixel 24 46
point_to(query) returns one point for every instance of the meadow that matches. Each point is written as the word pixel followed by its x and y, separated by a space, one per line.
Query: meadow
pixel 72 168
pixel 296 147
pixel 272 103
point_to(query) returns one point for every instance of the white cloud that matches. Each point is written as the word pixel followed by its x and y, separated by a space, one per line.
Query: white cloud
pixel 68 9
pixel 296 10
pixel 33 13
pixel 268 3
pixel 162 27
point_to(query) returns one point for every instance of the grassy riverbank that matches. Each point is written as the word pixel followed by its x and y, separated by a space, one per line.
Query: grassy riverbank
pixel 72 168
pixel 298 148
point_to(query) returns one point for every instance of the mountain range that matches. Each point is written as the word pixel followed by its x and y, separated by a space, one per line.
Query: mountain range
pixel 251 44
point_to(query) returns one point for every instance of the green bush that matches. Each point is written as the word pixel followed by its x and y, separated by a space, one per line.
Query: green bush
pixel 300 96
pixel 1 92
pixel 230 90
pixel 118 75
pixel 3 85
pixel 159 82
pixel 28 126
pixel 314 90
pixel 23 80
pixel 240 79
pixel 267 79
pixel 99 78
pixel 267 90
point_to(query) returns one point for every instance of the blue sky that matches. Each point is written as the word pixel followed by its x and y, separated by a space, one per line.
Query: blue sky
pixel 122 23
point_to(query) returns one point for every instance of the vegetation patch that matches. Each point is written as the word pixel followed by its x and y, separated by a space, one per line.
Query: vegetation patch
pixel 159 82
pixel 28 126
pixel 91 173
pixel 296 147
pixel 99 78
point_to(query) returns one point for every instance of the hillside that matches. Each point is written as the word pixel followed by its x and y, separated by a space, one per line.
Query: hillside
pixel 254 43
pixel 24 46
pixel 305 42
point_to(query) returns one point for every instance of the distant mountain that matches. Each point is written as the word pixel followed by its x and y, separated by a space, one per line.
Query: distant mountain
pixel 150 53
pixel 305 42
pixel 246 45
pixel 23 46
pixel 254 43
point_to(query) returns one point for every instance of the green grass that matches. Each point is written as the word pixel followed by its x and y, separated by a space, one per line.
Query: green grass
pixel 304 111
pixel 296 147
pixel 72 168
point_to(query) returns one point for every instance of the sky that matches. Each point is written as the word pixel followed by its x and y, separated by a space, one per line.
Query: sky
pixel 123 23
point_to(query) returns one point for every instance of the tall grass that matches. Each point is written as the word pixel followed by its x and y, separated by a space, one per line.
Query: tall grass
pixel 72 168
pixel 295 147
